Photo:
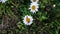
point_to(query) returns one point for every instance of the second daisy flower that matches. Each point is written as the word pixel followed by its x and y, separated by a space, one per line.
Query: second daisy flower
pixel 34 7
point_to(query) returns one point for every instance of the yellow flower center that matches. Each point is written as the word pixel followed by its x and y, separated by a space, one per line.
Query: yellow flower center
pixel 33 7
pixel 28 19
pixel 34 0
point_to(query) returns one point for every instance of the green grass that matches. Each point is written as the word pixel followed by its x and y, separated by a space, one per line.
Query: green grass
pixel 46 20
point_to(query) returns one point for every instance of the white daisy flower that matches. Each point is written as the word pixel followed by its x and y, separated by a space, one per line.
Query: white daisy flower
pixel 3 1
pixel 35 1
pixel 34 7
pixel 28 20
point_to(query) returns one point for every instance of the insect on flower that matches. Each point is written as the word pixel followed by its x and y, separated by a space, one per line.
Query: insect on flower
pixel 28 20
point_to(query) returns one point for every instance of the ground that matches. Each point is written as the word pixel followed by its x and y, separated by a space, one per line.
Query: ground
pixel 46 20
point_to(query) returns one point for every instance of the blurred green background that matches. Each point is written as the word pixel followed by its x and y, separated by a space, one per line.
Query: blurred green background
pixel 46 20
